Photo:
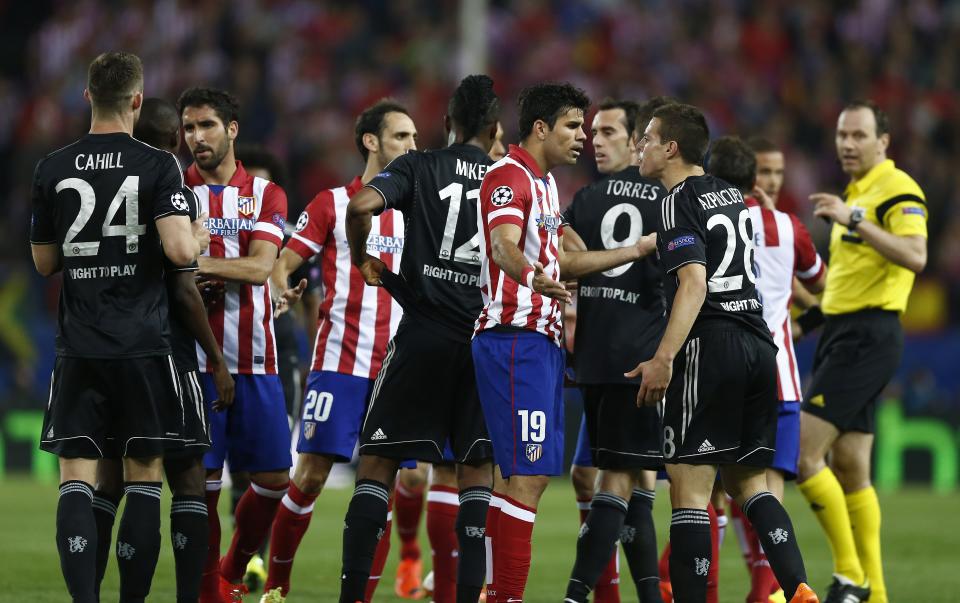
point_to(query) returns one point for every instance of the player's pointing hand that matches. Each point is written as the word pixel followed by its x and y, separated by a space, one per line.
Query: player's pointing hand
pixel 654 376
pixel 545 285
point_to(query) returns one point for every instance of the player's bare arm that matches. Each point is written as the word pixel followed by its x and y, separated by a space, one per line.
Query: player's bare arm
pixel 571 240
pixel 200 232
pixel 363 205
pixel 46 258
pixel 254 269
pixel 504 241
pixel 177 236
pixel 907 251
pixel 655 373
pixel 285 296
pixel 574 264
pixel 188 304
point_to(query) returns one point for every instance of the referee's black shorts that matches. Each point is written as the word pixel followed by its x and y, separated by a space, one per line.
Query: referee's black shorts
pixel 856 357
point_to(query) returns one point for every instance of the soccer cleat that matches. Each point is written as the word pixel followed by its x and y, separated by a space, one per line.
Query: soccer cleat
pixel 804 594
pixel 777 597
pixel 274 595
pixel 843 590
pixel 427 585
pixel 666 591
pixel 407 585
pixel 230 592
pixel 256 575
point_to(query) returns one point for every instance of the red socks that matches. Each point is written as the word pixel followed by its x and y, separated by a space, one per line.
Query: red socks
pixel 443 504
pixel 255 513
pixel 289 526
pixel 408 509
pixel 511 565
pixel 210 583
pixel 490 538
pixel 380 556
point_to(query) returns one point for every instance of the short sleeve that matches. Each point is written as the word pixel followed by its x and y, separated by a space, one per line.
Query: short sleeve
pixel 170 198
pixel 42 227
pixel 505 197
pixel 396 182
pixel 272 217
pixel 807 264
pixel 193 212
pixel 681 236
pixel 313 226
pixel 904 215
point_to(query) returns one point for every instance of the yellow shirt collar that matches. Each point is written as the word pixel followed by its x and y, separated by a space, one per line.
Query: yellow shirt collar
pixel 857 187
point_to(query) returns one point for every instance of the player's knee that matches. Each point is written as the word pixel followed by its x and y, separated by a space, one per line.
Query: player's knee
pixel 465 476
pixel 413 478
pixel 312 473
pixel 852 472
pixel 619 483
pixel 186 478
pixel 584 480
pixel 271 479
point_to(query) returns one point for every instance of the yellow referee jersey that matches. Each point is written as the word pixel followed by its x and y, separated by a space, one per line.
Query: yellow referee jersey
pixel 859 277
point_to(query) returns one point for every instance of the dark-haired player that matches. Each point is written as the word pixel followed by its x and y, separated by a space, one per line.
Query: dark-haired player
pixel 159 126
pixel 516 345
pixel 620 315
pixel 425 394
pixel 783 250
pixel 353 328
pixel 247 215
pixel 102 207
pixel 715 368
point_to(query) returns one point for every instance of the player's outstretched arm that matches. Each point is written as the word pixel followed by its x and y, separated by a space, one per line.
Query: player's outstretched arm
pixel 504 241
pixel 284 296
pixel 188 304
pixel 656 373
pixel 254 269
pixel 179 242
pixel 46 258
pixel 574 264
pixel 360 211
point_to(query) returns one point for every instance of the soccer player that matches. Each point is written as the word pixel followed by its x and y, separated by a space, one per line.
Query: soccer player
pixel 425 394
pixel 723 410
pixel 620 314
pixel 516 345
pixel 783 250
pixel 247 216
pixel 114 383
pixel 159 126
pixel 878 244
pixel 354 325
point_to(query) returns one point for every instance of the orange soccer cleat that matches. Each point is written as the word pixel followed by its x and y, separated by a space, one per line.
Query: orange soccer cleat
pixel 230 592
pixel 804 594
pixel 407 585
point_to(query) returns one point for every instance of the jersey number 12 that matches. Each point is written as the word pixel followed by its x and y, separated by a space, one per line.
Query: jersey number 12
pixel 469 252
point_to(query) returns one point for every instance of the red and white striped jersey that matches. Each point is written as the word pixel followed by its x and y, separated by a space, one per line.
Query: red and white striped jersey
pixel 355 321
pixel 247 209
pixel 783 249
pixel 514 191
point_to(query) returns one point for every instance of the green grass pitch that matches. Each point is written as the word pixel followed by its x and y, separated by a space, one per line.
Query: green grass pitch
pixel 920 539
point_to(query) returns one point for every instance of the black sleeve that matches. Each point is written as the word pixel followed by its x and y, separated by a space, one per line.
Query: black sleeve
pixel 193 212
pixel 681 235
pixel 170 197
pixel 42 227
pixel 396 182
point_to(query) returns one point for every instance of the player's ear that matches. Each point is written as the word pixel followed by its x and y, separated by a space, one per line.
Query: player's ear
pixel 137 100
pixel 884 141
pixel 492 131
pixel 86 95
pixel 447 125
pixel 233 129
pixel 371 142
pixel 541 129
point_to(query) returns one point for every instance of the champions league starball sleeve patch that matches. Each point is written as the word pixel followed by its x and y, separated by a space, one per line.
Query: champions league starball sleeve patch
pixel 502 195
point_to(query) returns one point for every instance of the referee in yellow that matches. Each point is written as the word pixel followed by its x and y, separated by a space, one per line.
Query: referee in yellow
pixel 877 245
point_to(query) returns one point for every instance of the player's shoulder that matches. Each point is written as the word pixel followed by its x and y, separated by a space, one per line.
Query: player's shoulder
pixel 507 170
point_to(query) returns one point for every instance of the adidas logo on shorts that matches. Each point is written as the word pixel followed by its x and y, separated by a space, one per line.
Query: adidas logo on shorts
pixel 378 435
pixel 706 447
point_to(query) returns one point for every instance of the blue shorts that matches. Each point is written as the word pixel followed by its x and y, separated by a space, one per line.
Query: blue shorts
pixel 582 456
pixel 787 455
pixel 254 433
pixel 520 382
pixel 334 405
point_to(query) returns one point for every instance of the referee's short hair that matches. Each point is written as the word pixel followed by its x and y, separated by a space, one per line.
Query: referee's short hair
pixel 879 115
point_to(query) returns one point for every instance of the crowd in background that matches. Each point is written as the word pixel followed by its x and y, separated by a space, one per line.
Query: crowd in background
pixel 304 69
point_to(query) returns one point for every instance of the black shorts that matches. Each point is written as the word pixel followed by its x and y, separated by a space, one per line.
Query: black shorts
pixel 196 427
pixel 856 358
pixel 621 435
pixel 721 405
pixel 424 398
pixel 127 407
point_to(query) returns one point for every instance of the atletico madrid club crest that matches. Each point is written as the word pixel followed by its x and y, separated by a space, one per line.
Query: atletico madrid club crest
pixel 246 206
pixel 534 452
pixel 309 429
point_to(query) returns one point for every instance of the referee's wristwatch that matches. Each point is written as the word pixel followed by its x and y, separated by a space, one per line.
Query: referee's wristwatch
pixel 856 217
